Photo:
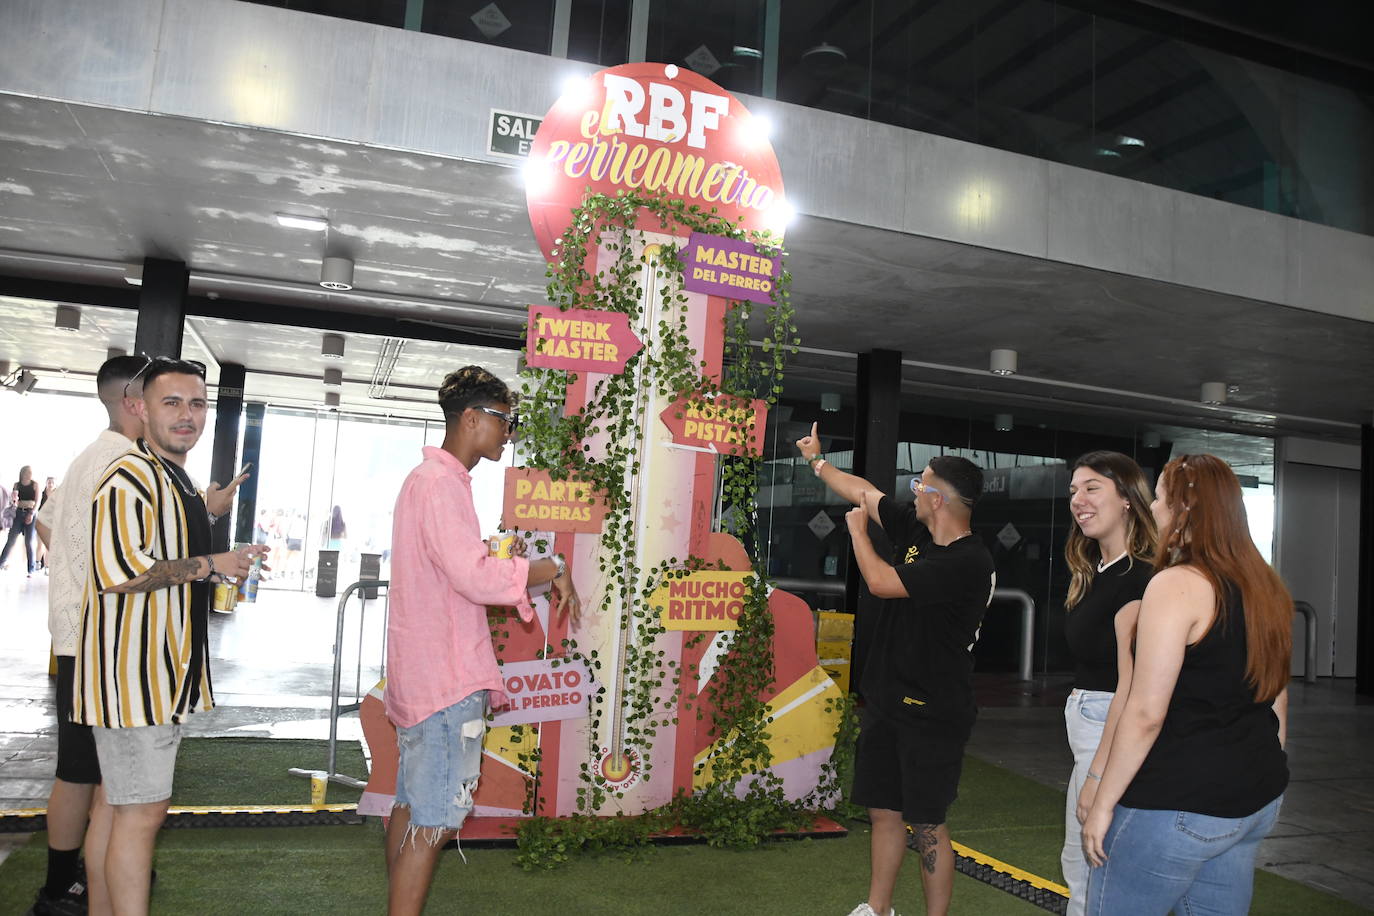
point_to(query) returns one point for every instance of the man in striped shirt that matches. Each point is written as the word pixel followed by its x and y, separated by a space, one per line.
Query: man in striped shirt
pixel 142 659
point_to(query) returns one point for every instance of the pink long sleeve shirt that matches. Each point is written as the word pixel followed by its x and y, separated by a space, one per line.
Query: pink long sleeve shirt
pixel 438 647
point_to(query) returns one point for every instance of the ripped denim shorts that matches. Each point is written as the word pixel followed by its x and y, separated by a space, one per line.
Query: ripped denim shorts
pixel 440 761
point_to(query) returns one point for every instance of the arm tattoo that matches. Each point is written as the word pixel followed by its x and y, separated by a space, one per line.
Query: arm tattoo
pixel 165 574
pixel 923 840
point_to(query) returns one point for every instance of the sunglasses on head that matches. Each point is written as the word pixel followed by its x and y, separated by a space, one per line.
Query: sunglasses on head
pixel 171 364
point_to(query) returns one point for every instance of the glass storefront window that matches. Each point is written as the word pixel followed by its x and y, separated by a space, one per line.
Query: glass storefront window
pixel 525 25
pixel 723 41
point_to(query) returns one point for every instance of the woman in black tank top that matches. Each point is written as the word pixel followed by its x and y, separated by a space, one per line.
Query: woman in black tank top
pixel 1196 770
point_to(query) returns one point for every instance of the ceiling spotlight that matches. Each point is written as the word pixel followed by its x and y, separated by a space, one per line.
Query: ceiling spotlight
pixel 336 273
pixel 308 223
pixel 1003 362
pixel 333 377
pixel 68 318
pixel 332 346
pixel 331 399
pixel 1002 423
pixel 1213 393
pixel 830 401
pixel 133 274
pixel 1150 439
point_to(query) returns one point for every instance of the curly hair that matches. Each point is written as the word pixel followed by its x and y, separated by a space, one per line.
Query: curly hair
pixel 472 386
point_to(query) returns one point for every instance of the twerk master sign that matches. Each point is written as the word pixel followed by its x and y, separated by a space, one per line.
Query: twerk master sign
pixel 655 129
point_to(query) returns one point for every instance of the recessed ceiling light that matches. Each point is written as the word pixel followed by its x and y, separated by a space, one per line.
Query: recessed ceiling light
pixel 311 223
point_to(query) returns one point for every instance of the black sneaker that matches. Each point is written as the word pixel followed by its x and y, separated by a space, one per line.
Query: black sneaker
pixel 72 902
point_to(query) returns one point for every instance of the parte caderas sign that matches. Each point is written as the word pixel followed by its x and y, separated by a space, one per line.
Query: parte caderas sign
pixel 649 129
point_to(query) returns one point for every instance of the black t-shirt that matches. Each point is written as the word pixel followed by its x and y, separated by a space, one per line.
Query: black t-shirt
pixel 920 665
pixel 198 544
pixel 1218 750
pixel 1090 627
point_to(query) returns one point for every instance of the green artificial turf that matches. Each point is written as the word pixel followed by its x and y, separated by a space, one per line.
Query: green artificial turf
pixel 253 771
pixel 339 870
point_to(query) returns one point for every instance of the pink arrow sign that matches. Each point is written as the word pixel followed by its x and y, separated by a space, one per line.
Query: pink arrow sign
pixel 587 340
pixel 726 424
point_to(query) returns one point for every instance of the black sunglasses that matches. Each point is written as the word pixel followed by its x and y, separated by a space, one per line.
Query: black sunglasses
pixel 512 421
pixel 165 364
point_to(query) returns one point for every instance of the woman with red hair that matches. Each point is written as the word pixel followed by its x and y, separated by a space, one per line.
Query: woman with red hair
pixel 1196 770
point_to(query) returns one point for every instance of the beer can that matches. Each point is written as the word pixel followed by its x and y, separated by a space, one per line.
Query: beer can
pixel 319 783
pixel 226 596
pixel 502 545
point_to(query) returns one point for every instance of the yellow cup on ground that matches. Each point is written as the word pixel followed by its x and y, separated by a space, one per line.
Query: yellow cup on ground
pixel 319 785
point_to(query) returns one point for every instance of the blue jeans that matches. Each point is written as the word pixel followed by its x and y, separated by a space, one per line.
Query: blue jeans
pixel 1193 864
pixel 1085 715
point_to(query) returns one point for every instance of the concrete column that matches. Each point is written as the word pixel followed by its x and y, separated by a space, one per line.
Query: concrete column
pixel 247 510
pixel 223 461
pixel 161 308
pixel 879 408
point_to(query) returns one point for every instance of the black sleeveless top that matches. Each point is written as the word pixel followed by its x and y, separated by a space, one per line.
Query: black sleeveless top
pixel 1218 751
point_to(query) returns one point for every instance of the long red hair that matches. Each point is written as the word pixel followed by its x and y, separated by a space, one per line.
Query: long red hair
pixel 1210 533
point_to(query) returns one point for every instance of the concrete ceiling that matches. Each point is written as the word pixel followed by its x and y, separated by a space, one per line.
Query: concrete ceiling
pixel 84 191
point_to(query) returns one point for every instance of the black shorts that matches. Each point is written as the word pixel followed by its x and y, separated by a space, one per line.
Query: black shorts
pixel 76 758
pixel 908 767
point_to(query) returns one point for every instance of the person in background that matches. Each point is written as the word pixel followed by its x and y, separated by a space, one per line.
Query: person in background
pixel 41 553
pixel 1196 770
pixel 336 530
pixel 24 498
pixel 64 524
pixel 1110 555
pixel 440 661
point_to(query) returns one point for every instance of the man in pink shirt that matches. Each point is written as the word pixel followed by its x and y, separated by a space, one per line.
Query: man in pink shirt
pixel 440 662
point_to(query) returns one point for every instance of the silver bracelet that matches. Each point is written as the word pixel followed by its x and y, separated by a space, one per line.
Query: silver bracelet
pixel 560 565
pixel 210 561
pixel 1092 775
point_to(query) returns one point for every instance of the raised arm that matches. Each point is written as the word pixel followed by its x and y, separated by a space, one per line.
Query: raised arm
pixel 849 487
pixel 879 575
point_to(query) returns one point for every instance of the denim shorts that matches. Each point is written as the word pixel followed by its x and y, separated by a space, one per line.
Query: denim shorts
pixel 137 763
pixel 440 761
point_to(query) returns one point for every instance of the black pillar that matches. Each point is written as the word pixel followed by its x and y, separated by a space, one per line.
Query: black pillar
pixel 878 413
pixel 223 460
pixel 1364 627
pixel 246 512
pixel 161 308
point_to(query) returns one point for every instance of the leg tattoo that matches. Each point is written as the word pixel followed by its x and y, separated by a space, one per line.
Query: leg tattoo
pixel 923 841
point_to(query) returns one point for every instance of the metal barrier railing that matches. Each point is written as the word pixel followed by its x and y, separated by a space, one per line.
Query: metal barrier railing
pixel 336 708
pixel 1027 644
pixel 1309 660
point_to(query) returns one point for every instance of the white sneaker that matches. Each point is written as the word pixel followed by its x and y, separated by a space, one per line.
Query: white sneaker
pixel 864 909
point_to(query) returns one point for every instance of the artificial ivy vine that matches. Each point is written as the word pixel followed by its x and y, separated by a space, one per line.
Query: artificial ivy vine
pixel 559 442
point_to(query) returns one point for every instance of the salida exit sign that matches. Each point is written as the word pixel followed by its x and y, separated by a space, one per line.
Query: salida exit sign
pixel 511 133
